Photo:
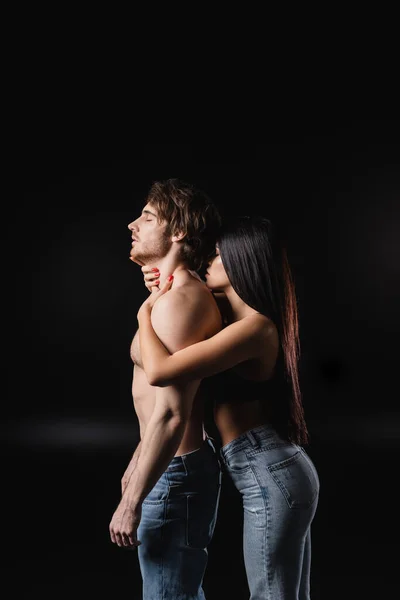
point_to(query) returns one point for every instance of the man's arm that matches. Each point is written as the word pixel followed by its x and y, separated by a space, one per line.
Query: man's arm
pixel 240 341
pixel 130 468
pixel 164 433
pixel 133 462
pixel 177 325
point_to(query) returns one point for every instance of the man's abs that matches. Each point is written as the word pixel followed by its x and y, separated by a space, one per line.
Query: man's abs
pixel 144 398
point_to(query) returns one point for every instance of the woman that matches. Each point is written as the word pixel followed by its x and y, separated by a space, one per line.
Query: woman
pixel 260 416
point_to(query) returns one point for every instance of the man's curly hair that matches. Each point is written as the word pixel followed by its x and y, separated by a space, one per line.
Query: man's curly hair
pixel 190 211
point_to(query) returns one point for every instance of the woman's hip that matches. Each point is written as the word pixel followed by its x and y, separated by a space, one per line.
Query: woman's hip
pixel 263 464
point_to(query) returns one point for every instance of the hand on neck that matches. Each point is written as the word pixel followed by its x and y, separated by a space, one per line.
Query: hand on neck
pixel 166 267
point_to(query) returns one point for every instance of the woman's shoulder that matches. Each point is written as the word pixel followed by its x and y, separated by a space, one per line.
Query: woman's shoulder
pixel 261 321
pixel 263 329
pixel 268 327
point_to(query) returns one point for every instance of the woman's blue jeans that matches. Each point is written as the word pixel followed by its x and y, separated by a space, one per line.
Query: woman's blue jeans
pixel 177 525
pixel 280 488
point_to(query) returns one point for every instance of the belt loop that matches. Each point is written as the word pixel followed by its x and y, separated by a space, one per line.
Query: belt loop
pixel 251 439
pixel 212 445
pixel 185 466
pixel 210 441
pixel 223 464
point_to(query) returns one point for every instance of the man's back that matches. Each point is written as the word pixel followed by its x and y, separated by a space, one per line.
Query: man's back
pixel 185 315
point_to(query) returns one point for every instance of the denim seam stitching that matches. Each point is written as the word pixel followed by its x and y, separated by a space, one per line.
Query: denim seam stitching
pixel 266 560
pixel 162 539
pixel 283 490
pixel 266 448
pixel 184 466
pixel 235 450
pixel 312 466
pixel 284 463
pixel 187 521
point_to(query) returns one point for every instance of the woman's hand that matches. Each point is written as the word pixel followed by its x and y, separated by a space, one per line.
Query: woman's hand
pixel 156 294
pixel 151 278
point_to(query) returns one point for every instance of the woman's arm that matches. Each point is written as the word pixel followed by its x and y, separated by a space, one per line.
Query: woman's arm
pixel 236 343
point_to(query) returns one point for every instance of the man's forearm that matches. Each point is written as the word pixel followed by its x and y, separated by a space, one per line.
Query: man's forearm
pixel 135 457
pixel 131 467
pixel 163 435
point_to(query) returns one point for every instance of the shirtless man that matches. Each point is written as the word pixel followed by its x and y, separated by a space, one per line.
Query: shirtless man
pixel 170 489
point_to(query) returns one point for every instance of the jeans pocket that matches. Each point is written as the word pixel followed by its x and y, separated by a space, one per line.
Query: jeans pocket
pixel 159 493
pixel 202 511
pixel 237 462
pixel 297 480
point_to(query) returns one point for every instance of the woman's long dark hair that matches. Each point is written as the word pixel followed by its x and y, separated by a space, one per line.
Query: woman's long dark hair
pixel 257 266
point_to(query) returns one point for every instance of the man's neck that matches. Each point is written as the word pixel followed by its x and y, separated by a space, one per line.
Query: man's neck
pixel 168 266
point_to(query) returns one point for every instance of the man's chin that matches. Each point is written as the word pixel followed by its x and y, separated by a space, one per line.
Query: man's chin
pixel 137 260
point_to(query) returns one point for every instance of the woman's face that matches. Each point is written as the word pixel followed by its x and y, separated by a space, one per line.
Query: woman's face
pixel 216 277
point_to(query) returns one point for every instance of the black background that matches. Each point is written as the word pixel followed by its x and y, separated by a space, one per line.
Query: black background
pixel 71 301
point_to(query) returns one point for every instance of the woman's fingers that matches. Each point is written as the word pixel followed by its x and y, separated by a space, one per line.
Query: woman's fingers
pixel 151 277
pixel 165 286
pixel 146 270
pixel 167 283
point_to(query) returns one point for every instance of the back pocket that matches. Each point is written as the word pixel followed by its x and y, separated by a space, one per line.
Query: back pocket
pixel 296 480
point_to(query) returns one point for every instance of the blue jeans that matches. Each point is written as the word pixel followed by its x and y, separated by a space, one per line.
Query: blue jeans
pixel 280 488
pixel 177 525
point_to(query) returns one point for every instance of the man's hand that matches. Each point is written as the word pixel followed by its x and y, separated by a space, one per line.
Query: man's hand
pixel 124 525
pixel 155 295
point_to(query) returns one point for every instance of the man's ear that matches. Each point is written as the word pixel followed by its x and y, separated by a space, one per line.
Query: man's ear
pixel 178 237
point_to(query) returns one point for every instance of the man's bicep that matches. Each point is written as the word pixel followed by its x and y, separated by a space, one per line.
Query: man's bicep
pixel 176 323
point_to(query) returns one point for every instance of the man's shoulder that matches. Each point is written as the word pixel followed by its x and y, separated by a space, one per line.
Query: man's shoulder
pixel 185 297
pixel 187 308
pixel 182 316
